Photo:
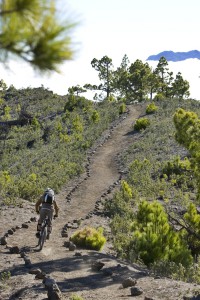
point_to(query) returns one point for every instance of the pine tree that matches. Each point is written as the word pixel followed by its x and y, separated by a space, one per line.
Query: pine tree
pixel 32 31
pixel 153 239
pixel 105 68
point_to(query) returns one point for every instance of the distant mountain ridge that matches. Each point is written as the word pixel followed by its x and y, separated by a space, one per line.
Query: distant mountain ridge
pixel 175 56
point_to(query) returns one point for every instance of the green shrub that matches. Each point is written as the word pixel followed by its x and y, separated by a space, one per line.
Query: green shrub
pixel 176 166
pixel 75 297
pixel 95 117
pixel 89 238
pixel 35 123
pixel 141 123
pixel 154 239
pixel 29 187
pixel 177 272
pixel 111 98
pixel 159 97
pixel 192 219
pixel 5 276
pixel 122 108
pixel 126 190
pixel 120 228
pixel 151 108
pixel 75 102
pixel 187 126
pixel 120 204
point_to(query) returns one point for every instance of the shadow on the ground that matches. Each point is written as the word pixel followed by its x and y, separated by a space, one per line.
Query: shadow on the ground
pixel 114 271
pixel 131 133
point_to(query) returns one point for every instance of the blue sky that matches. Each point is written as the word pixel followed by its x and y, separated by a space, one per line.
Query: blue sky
pixel 138 28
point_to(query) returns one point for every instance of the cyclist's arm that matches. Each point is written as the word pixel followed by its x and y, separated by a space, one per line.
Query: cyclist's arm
pixel 37 205
pixel 56 208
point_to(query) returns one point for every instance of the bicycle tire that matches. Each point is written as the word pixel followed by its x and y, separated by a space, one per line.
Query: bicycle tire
pixel 43 237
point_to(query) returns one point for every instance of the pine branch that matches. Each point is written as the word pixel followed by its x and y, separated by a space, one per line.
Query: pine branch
pixel 183 225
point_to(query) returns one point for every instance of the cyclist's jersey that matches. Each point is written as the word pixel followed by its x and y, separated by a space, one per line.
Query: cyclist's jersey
pixel 47 206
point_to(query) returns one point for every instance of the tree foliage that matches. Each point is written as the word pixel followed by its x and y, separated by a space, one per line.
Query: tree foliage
pixel 154 239
pixel 138 81
pixel 180 87
pixel 187 125
pixel 162 72
pixel 104 67
pixel 33 31
pixel 121 76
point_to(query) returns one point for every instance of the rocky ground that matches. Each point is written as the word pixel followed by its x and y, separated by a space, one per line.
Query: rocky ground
pixel 59 270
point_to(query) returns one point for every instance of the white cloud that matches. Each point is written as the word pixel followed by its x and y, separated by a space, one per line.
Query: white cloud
pixel 114 28
pixel 190 70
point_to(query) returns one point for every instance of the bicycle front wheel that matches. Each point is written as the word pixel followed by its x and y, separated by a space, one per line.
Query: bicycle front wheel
pixel 43 237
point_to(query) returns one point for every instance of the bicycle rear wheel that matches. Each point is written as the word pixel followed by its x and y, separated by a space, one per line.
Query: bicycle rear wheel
pixel 42 238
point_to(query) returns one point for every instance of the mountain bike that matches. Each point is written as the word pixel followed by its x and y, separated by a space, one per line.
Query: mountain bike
pixel 43 233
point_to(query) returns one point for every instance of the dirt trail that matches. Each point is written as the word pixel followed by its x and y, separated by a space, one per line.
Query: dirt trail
pixel 73 272
pixel 103 172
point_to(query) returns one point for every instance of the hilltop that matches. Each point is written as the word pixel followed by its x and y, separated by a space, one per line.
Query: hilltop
pixel 81 200
pixel 175 56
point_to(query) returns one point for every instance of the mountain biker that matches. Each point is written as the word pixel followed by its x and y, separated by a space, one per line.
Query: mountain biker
pixel 45 206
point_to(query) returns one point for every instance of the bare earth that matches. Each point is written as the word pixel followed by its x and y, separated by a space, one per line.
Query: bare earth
pixel 80 205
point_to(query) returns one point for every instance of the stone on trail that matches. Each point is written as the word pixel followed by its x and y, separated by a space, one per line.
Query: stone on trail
pixel 35 271
pixel 14 250
pixel 72 246
pixel 128 282
pixel 3 241
pixel 97 265
pixel 136 291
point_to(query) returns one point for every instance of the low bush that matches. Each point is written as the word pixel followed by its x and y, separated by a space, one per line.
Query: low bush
pixel 177 166
pixel 141 123
pixel 151 108
pixel 159 97
pixel 177 272
pixel 122 108
pixel 5 276
pixel 75 297
pixel 89 238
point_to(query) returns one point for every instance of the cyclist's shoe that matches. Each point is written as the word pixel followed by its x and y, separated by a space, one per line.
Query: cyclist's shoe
pixel 37 234
pixel 48 236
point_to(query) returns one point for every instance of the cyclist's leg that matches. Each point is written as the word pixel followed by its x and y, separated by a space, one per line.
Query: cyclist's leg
pixel 41 218
pixel 38 227
pixel 43 232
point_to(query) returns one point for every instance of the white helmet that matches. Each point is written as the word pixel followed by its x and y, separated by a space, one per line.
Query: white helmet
pixel 50 191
